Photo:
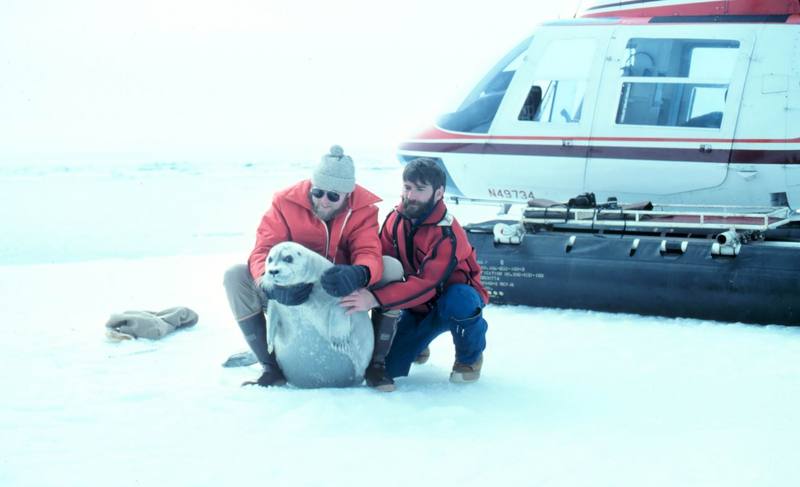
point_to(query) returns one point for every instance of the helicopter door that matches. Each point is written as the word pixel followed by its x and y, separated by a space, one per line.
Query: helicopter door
pixel 668 104
pixel 792 170
pixel 537 142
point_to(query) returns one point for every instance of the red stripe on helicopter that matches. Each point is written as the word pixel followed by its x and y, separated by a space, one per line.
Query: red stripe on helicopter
pixel 724 7
pixel 435 133
pixel 719 156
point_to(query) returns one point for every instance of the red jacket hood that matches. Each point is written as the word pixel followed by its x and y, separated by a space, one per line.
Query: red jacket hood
pixel 350 237
pixel 435 254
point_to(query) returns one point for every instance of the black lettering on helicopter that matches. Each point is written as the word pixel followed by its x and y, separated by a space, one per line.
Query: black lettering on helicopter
pixel 517 194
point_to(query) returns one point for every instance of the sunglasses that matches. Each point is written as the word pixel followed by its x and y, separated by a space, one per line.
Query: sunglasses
pixel 333 196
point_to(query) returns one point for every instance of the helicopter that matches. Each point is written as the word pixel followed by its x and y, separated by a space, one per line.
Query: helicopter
pixel 687 110
pixel 685 102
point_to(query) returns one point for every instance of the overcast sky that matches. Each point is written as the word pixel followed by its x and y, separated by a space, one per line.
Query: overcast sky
pixel 239 80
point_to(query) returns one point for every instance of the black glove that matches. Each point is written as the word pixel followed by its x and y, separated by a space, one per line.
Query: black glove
pixel 341 280
pixel 290 295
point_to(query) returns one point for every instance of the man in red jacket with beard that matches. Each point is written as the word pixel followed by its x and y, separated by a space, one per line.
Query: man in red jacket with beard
pixel 441 291
pixel 329 214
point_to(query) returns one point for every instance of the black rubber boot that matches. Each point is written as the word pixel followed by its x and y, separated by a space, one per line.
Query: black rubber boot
pixel 385 327
pixel 254 329
pixel 272 375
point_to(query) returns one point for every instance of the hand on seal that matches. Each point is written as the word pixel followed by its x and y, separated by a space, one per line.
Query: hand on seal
pixel 291 295
pixel 341 280
pixel 360 300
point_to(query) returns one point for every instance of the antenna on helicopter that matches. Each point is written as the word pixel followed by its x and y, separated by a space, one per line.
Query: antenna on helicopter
pixel 577 9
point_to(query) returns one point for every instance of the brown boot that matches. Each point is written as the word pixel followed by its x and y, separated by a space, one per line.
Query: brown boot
pixel 423 356
pixel 464 373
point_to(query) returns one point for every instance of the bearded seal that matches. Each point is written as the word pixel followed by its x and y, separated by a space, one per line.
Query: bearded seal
pixel 315 343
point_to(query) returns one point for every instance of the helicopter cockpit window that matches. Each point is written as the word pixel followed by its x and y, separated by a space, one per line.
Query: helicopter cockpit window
pixel 676 82
pixel 556 95
pixel 554 101
pixel 477 111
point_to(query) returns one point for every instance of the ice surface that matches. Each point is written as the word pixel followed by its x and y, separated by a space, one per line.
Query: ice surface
pixel 568 398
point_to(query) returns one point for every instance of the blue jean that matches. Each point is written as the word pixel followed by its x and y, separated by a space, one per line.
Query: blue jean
pixel 460 310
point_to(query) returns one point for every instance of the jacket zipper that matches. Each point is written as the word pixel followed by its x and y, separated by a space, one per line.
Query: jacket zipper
pixel 347 217
pixel 411 255
pixel 327 235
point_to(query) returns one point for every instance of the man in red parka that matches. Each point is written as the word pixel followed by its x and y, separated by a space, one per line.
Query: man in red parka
pixel 328 214
pixel 441 290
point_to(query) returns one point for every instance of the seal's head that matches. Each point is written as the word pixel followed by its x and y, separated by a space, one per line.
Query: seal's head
pixel 290 263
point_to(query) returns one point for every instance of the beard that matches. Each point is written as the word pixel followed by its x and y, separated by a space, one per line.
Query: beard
pixel 326 214
pixel 415 209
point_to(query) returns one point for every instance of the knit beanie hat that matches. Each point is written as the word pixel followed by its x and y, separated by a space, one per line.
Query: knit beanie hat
pixel 335 172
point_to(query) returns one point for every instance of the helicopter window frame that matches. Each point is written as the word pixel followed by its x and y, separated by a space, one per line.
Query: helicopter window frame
pixel 479 109
pixel 666 82
pixel 552 98
pixel 561 80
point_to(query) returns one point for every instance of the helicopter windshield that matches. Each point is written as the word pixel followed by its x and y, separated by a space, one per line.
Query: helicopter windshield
pixel 476 112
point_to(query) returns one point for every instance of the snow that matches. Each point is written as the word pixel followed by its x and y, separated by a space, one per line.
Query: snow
pixel 567 398
pixel 140 142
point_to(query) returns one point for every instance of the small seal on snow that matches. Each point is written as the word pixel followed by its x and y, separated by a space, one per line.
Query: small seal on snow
pixel 315 343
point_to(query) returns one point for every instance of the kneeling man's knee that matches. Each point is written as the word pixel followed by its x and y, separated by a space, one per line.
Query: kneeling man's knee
pixel 237 276
pixel 460 302
pixel 392 271
pixel 243 297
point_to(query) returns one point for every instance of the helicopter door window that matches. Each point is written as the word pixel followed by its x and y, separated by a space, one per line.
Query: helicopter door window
pixel 676 82
pixel 554 101
pixel 560 81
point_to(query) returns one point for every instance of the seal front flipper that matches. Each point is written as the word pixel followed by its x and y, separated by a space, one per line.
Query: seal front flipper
pixel 273 323
pixel 340 327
